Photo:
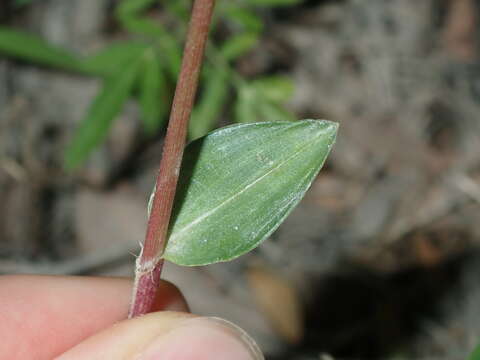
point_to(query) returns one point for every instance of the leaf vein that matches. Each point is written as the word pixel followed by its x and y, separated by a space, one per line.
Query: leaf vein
pixel 233 197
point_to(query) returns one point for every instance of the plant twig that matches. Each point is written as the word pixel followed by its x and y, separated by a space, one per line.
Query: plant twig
pixel 149 264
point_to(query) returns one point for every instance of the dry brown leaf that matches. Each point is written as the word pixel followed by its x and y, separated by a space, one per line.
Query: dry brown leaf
pixel 459 35
pixel 279 301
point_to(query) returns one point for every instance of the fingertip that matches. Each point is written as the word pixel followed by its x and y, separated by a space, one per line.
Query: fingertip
pixel 170 298
pixel 169 336
pixel 203 338
pixel 126 339
pixel 46 315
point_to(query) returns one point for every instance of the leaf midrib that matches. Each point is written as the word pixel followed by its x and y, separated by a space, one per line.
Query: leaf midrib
pixel 236 194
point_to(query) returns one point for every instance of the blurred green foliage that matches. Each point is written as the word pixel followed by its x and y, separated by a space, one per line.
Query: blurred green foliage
pixel 21 2
pixel 146 67
pixel 475 355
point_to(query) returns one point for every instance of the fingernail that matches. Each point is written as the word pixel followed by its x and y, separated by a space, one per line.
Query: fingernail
pixel 204 339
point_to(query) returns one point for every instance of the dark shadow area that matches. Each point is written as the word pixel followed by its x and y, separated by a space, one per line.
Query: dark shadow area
pixel 360 314
pixel 189 164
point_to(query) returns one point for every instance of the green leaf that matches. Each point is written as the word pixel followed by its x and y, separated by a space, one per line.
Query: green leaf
pixel 172 52
pixel 275 88
pixel 180 8
pixel 132 7
pixel 271 111
pixel 20 3
pixel 239 183
pixel 114 58
pixel 31 48
pixel 269 3
pixel 238 45
pixel 152 93
pixel 245 107
pixel 475 355
pixel 245 18
pixel 106 106
pixel 166 42
pixel 129 15
pixel 255 103
pixel 211 103
pixel 144 27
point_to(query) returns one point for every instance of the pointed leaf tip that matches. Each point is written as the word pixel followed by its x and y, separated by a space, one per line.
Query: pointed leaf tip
pixel 239 183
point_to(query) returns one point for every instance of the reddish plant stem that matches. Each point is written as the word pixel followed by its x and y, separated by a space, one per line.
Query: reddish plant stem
pixel 149 264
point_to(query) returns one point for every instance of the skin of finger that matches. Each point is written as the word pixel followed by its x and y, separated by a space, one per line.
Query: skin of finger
pixel 43 316
pixel 125 340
